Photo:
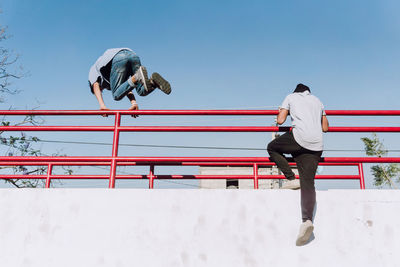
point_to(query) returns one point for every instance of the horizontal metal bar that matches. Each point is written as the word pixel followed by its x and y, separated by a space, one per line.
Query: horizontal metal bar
pixel 163 177
pixel 69 177
pixel 186 129
pixel 138 112
pixel 234 177
pixel 363 112
pixel 58 128
pixel 189 112
pixel 202 129
pixel 205 164
pixel 364 129
pixel 362 159
pixel 250 164
pixel 180 160
pixel 59 163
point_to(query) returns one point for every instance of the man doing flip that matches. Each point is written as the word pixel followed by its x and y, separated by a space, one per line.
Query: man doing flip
pixel 120 70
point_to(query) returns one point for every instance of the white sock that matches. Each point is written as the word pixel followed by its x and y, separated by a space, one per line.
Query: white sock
pixel 130 81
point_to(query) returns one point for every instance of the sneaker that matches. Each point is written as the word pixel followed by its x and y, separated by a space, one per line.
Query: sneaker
pixel 292 184
pixel 159 82
pixel 306 229
pixel 141 76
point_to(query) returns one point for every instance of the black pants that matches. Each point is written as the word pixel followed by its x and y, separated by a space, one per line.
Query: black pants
pixel 307 163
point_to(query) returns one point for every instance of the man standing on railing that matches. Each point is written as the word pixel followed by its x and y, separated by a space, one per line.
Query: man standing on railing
pixel 305 144
pixel 120 70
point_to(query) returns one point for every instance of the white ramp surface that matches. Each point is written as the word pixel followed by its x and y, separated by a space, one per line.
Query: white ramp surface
pixel 136 227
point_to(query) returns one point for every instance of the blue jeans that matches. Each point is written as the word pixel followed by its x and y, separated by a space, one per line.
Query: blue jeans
pixel 123 66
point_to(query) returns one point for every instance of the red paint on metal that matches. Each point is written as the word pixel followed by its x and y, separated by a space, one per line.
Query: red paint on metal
pixel 48 178
pixel 113 169
pixel 255 171
pixel 361 172
pixel 151 177
pixel 186 129
pixel 165 176
pixel 114 160
pixel 189 112
pixel 179 160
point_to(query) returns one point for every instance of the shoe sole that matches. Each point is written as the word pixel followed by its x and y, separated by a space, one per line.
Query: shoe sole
pixel 291 187
pixel 161 83
pixel 143 72
pixel 305 237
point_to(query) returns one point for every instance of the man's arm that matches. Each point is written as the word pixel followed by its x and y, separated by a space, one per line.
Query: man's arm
pixel 283 113
pixel 134 105
pixel 97 92
pixel 324 123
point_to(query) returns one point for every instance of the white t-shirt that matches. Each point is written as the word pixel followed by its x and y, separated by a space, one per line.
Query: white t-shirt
pixel 306 112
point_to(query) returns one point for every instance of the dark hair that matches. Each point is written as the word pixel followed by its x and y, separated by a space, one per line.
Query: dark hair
pixel 300 88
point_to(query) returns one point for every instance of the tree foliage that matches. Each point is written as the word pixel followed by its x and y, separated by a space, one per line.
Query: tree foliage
pixel 7 60
pixel 384 174
pixel 20 144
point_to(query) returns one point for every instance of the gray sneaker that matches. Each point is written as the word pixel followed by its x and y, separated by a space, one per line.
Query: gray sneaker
pixel 306 229
pixel 158 81
pixel 141 77
pixel 292 184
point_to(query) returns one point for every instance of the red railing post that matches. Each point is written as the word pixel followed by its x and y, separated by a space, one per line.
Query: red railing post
pixel 48 179
pixel 151 177
pixel 361 172
pixel 255 172
pixel 113 168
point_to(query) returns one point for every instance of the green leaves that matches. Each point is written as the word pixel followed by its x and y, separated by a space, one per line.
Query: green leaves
pixel 384 174
pixel 374 147
pixel 25 146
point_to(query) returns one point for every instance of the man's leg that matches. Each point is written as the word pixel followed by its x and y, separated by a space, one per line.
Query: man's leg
pixel 284 144
pixel 141 76
pixel 307 164
pixel 125 65
pixel 120 73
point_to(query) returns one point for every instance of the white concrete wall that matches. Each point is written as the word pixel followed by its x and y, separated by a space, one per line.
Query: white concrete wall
pixel 243 183
pixel 128 227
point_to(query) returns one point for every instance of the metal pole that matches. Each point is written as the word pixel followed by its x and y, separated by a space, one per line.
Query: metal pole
pixel 186 129
pixel 255 172
pixel 48 179
pixel 190 112
pixel 183 176
pixel 113 169
pixel 180 160
pixel 361 171
pixel 151 177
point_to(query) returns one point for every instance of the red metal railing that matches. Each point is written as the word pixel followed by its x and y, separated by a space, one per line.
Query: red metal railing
pixel 115 160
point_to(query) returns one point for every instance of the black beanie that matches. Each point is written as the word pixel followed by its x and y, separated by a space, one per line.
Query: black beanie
pixel 300 88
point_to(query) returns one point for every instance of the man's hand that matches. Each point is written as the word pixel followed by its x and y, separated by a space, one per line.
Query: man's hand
pixel 103 107
pixel 134 106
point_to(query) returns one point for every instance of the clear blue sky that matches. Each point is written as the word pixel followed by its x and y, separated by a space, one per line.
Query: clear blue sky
pixel 216 54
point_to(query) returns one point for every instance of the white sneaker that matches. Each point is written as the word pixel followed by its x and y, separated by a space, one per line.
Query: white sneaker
pixel 141 76
pixel 292 184
pixel 306 229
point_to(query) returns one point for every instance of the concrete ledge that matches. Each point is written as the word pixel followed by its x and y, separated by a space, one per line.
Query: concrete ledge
pixel 128 227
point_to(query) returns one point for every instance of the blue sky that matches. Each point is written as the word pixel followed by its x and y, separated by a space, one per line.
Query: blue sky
pixel 216 54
